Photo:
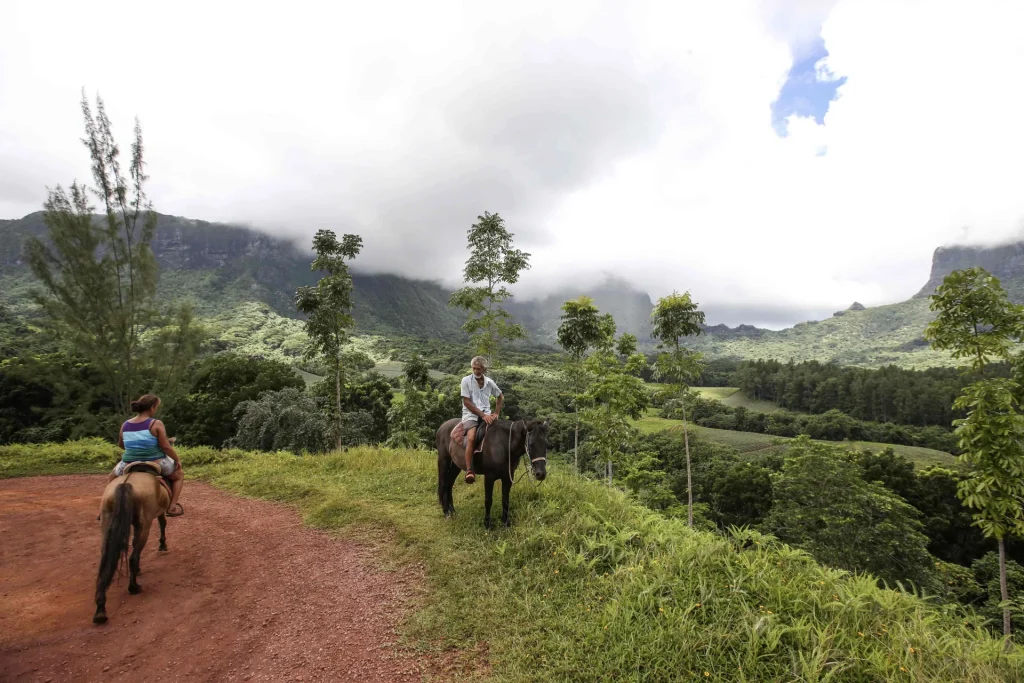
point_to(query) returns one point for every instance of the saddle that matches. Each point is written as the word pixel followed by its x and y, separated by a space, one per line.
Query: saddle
pixel 148 468
pixel 459 435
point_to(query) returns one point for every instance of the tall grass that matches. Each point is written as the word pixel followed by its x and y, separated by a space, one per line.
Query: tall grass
pixel 587 585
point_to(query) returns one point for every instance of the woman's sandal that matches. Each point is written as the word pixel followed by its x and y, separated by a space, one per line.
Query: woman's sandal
pixel 176 514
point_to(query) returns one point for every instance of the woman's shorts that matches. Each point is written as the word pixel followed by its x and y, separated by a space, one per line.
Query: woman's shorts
pixel 166 466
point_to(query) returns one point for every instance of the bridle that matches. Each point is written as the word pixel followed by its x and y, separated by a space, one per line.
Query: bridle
pixel 529 459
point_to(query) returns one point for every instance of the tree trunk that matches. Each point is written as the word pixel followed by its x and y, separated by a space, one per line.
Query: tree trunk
pixel 689 480
pixel 1003 591
pixel 337 404
pixel 576 442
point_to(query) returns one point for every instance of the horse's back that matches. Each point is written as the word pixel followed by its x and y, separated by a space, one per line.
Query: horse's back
pixel 146 490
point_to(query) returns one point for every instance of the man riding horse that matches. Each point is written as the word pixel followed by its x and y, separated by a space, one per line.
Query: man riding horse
pixel 477 389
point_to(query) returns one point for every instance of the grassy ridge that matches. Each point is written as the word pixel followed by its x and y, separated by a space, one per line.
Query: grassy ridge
pixel 587 585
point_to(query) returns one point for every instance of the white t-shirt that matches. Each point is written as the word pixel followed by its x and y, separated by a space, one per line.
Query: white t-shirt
pixel 478 396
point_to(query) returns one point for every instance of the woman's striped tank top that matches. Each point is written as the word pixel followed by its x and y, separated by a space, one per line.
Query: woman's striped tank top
pixel 139 443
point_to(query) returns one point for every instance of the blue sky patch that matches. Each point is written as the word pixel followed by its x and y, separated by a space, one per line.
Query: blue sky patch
pixel 805 92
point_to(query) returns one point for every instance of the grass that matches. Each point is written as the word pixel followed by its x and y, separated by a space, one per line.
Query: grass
pixel 587 585
pixel 748 442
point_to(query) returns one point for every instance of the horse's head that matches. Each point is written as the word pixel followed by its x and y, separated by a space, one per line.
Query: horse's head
pixel 537 447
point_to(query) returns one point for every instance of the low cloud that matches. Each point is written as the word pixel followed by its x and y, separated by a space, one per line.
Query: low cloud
pixel 634 140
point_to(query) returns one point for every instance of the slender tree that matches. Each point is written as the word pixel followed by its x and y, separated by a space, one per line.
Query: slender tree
pixel 579 332
pixel 328 308
pixel 616 395
pixel 99 278
pixel 493 263
pixel 977 322
pixel 676 316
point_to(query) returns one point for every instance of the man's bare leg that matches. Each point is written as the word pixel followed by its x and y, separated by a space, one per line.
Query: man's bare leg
pixel 470 435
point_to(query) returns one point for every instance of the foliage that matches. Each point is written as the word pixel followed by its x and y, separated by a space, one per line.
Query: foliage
pixel 99 280
pixel 977 322
pixel 407 420
pixel 205 414
pixel 887 394
pixel 588 585
pixel 493 261
pixel 328 308
pixel 986 572
pixel 823 504
pixel 975 319
pixel 579 332
pixel 674 317
pixel 370 395
pixel 832 425
pixel 282 420
pixel 615 396
pixel 417 372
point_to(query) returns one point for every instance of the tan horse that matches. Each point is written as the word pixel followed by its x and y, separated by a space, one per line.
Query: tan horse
pixel 131 501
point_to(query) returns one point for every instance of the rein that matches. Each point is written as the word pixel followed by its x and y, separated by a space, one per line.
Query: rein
pixel 528 465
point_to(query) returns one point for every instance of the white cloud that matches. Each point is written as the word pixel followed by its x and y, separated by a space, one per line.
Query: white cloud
pixel 634 141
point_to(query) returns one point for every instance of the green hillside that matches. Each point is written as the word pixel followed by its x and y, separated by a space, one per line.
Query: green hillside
pixel 587 585
pixel 222 268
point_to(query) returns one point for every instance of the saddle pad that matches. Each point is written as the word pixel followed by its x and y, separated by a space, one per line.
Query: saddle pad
pixel 146 468
pixel 459 435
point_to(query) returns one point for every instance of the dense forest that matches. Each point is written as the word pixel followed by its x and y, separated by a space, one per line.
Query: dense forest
pixel 889 394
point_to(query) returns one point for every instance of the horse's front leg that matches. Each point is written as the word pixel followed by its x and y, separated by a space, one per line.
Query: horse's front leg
pixel 506 486
pixel 488 499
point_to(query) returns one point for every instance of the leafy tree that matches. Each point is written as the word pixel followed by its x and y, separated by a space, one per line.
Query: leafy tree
pixel 407 420
pixel 282 420
pixel 823 504
pixel 494 263
pixel 206 413
pixel 371 395
pixel 615 397
pixel 328 306
pixel 417 372
pixel 676 316
pixel 579 332
pixel 976 321
pixel 990 573
pixel 99 279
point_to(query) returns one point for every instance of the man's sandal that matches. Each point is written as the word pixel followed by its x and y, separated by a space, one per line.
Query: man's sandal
pixel 176 514
pixel 470 477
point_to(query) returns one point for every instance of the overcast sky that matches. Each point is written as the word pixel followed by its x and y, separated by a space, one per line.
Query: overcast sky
pixel 778 159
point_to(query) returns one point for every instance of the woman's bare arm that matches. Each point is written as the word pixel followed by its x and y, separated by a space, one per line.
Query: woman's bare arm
pixel 164 442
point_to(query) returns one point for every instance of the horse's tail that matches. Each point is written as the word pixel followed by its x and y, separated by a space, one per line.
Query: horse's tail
pixel 115 541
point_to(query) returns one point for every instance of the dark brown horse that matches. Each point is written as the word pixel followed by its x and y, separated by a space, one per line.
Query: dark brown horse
pixel 504 445
pixel 131 501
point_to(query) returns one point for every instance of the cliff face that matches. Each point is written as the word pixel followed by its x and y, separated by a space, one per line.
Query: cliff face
pixel 1005 261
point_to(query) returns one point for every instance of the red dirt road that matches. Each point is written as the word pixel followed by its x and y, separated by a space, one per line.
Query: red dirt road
pixel 246 593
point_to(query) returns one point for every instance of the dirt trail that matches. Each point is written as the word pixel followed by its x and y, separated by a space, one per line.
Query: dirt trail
pixel 246 593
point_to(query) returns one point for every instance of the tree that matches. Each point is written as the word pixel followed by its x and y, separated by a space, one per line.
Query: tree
pixel 328 307
pixel 282 420
pixel 615 396
pixel 495 263
pixel 205 414
pixel 823 504
pixel 99 279
pixel 674 317
pixel 977 321
pixel 579 332
pixel 407 419
pixel 417 372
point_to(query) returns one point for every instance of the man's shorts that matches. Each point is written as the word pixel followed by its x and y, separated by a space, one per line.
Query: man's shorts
pixel 166 466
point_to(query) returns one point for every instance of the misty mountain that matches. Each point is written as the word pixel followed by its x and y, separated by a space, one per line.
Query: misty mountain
pixel 220 266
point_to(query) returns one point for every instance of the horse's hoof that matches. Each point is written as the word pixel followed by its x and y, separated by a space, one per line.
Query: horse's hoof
pixel 135 590
pixel 100 618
